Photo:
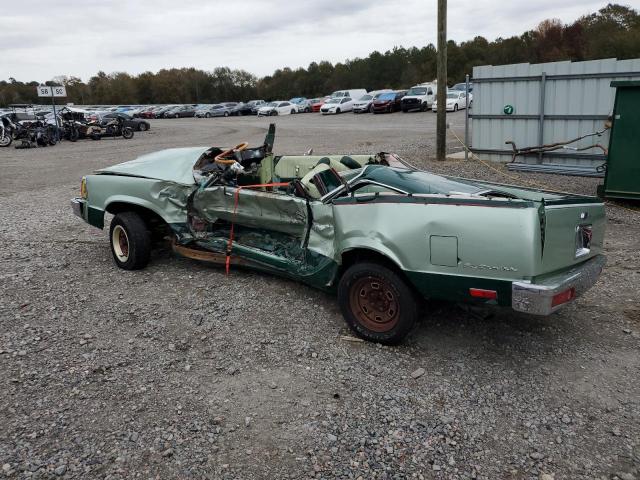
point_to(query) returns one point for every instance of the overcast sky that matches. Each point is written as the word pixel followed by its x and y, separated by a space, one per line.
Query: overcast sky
pixel 40 40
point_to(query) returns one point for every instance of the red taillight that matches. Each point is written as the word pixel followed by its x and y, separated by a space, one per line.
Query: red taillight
pixel 486 294
pixel 563 297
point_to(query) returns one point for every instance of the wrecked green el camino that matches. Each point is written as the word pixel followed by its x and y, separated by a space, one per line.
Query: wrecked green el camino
pixel 379 233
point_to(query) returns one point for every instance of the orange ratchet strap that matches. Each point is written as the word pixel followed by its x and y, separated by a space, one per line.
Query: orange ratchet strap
pixel 235 210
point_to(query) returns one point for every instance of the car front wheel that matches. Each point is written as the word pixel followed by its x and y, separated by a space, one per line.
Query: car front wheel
pixel 376 303
pixel 143 127
pixel 130 241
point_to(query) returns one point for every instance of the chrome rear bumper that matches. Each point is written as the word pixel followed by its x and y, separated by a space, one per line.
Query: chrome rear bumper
pixel 538 298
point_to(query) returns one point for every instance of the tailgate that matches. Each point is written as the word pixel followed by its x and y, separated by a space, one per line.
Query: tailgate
pixel 573 231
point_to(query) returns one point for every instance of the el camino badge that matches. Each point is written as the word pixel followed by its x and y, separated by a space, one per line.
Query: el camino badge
pixel 490 267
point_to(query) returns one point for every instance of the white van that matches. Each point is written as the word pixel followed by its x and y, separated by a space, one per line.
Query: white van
pixel 419 97
pixel 354 94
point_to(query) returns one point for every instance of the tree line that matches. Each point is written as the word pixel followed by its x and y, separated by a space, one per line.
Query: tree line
pixel 612 32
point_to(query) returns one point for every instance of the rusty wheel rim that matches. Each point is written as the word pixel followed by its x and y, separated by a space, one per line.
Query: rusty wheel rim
pixel 120 243
pixel 375 304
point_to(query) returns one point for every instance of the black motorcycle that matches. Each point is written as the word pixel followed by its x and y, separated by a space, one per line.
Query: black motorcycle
pixel 111 128
pixel 35 134
pixel 70 130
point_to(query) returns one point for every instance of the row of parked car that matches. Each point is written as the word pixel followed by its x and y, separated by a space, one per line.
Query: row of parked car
pixel 418 98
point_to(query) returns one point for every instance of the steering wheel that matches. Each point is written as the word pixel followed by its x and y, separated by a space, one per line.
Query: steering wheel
pixel 220 158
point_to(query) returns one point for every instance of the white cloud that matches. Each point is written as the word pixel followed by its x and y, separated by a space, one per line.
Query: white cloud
pixel 255 35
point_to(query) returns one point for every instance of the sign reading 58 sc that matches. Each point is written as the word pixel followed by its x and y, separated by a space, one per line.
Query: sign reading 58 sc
pixel 44 91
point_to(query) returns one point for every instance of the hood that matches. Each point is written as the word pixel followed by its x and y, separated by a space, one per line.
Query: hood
pixel 172 165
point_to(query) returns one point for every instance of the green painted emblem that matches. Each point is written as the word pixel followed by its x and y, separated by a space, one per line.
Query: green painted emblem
pixel 508 109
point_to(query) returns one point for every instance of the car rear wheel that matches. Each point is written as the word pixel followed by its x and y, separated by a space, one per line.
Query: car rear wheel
pixel 226 114
pixel 207 115
pixel 143 127
pixel 376 303
pixel 130 241
pixel 176 116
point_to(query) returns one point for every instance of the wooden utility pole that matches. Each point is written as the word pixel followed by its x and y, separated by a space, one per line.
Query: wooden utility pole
pixel 441 124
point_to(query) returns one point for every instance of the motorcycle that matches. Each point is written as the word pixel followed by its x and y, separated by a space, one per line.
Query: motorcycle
pixel 70 130
pixel 7 127
pixel 36 134
pixel 112 128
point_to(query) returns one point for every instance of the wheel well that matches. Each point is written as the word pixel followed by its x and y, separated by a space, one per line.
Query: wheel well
pixel 155 223
pixel 358 255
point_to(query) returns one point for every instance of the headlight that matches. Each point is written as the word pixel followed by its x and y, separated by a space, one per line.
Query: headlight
pixel 83 188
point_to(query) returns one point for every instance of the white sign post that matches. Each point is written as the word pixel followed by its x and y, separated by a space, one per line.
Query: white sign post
pixel 45 91
pixel 53 92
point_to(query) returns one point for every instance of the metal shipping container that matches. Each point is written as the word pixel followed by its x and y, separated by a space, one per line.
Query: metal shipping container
pixel 623 166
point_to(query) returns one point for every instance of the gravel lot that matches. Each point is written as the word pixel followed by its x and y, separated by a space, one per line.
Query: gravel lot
pixel 178 371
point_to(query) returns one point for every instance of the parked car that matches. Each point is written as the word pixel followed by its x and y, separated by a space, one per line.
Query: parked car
pixel 353 93
pixel 256 105
pixel 205 110
pixel 277 108
pixel 337 105
pixel 149 112
pixel 302 104
pixel 456 100
pixel 388 102
pixel 380 234
pixel 463 87
pixel 183 111
pixel 317 105
pixel 363 104
pixel 225 110
pixel 137 124
pixel 162 111
pixel 419 97
pixel 245 108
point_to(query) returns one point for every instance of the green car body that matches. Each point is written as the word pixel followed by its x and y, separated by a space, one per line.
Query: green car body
pixel 448 238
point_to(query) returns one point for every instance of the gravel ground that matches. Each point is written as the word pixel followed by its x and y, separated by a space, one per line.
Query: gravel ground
pixel 178 371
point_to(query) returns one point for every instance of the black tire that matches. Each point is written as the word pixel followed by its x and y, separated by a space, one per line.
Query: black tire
pixel 143 127
pixel 293 111
pixel 274 113
pixel 338 110
pixel 207 115
pixel 226 114
pixel 127 132
pixel 6 140
pixel 74 135
pixel 424 107
pixel 455 107
pixel 96 136
pixel 176 116
pixel 470 103
pixel 137 239
pixel 395 308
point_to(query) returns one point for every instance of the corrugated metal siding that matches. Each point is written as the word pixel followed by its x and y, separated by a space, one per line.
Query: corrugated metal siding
pixel 575 96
